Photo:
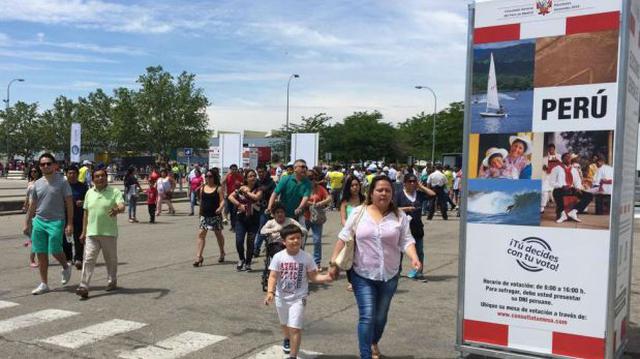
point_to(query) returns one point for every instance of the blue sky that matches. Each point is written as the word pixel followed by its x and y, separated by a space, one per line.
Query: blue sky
pixel 351 55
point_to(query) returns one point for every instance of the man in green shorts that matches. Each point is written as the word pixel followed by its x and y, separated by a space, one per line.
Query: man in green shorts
pixel 102 203
pixel 294 191
pixel 50 198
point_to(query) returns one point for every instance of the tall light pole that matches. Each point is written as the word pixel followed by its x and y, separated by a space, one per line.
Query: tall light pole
pixel 286 155
pixel 9 89
pixel 433 131
pixel 7 108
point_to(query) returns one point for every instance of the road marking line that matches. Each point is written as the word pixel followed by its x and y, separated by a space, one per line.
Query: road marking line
pixel 174 347
pixel 91 334
pixel 275 352
pixel 4 304
pixel 33 319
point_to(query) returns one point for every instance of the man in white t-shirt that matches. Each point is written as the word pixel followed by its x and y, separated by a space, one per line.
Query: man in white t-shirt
pixel 437 181
pixel 602 184
pixel 566 182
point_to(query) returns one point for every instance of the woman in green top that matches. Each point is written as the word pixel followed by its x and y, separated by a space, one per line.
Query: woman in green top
pixel 352 197
pixel 102 203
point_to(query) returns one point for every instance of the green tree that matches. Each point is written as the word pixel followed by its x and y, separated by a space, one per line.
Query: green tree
pixel 21 130
pixel 172 114
pixel 362 136
pixel 94 113
pixel 316 123
pixel 415 134
pixel 56 126
pixel 126 131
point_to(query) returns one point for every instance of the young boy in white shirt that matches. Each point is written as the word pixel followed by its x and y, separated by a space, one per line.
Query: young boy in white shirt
pixel 291 271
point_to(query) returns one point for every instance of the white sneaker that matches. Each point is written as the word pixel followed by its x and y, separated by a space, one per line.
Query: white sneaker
pixel 41 289
pixel 574 215
pixel 66 275
pixel 563 217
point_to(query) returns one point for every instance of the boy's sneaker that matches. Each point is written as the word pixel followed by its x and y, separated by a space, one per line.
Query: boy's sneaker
pixel 66 275
pixel 412 274
pixel 239 266
pixel 286 346
pixel 247 267
pixel 41 289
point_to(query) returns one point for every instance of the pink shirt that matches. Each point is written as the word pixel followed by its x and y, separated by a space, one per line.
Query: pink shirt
pixel 196 182
pixel 378 245
pixel 519 163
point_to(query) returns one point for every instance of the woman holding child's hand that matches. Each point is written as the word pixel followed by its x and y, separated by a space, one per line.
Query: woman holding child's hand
pixel 381 232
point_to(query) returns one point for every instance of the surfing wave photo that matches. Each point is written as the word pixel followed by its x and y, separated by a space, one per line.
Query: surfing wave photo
pixel 504 202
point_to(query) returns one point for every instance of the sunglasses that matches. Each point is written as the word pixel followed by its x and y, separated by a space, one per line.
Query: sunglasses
pixel 412 181
pixel 46 164
pixel 209 176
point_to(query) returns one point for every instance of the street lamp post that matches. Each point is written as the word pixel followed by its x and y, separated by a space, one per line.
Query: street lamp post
pixel 7 108
pixel 9 89
pixel 286 155
pixel 433 131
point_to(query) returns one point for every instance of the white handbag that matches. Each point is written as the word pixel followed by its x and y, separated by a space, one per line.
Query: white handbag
pixel 344 260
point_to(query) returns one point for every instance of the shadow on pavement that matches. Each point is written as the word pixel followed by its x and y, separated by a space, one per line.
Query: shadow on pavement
pixel 119 291
pixel 439 278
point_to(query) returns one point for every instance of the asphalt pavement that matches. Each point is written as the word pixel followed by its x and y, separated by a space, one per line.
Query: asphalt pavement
pixel 166 308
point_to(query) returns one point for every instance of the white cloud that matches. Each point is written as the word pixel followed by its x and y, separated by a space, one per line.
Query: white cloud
pixel 51 56
pixel 125 50
pixel 300 34
pixel 87 14
pixel 241 76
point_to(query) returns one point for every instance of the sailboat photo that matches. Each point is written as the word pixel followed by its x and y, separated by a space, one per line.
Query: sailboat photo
pixel 494 109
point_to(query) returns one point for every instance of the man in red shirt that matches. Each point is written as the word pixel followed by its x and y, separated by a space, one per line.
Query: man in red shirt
pixel 232 181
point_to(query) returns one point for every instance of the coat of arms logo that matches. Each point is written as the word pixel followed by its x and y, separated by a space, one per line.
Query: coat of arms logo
pixel 544 6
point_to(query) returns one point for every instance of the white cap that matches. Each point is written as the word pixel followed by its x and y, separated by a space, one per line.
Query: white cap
pixel 494 151
pixel 86 162
pixel 525 140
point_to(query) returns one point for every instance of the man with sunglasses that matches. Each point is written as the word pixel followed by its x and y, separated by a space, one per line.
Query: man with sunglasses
pixel 294 191
pixel 50 199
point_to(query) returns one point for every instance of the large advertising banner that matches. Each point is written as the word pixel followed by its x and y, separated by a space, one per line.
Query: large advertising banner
pixel 230 150
pixel 305 146
pixel 552 120
pixel 76 139
pixel 623 224
pixel 214 157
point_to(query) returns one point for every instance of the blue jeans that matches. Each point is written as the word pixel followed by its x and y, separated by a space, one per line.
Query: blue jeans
pixel 233 215
pixel 133 202
pixel 316 229
pixel 263 219
pixel 192 200
pixel 373 298
pixel 245 253
pixel 420 250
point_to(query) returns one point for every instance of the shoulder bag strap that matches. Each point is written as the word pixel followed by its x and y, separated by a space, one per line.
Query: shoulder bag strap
pixel 355 226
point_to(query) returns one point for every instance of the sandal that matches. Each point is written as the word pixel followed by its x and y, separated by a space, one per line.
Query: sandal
pixel 198 262
pixel 375 352
pixel 221 258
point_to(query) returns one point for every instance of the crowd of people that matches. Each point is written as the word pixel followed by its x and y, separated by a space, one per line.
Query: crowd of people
pixel 71 215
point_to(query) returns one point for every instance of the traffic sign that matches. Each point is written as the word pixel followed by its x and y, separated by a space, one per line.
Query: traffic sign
pixel 188 151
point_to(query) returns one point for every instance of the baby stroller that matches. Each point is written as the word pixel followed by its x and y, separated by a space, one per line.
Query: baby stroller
pixel 274 245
